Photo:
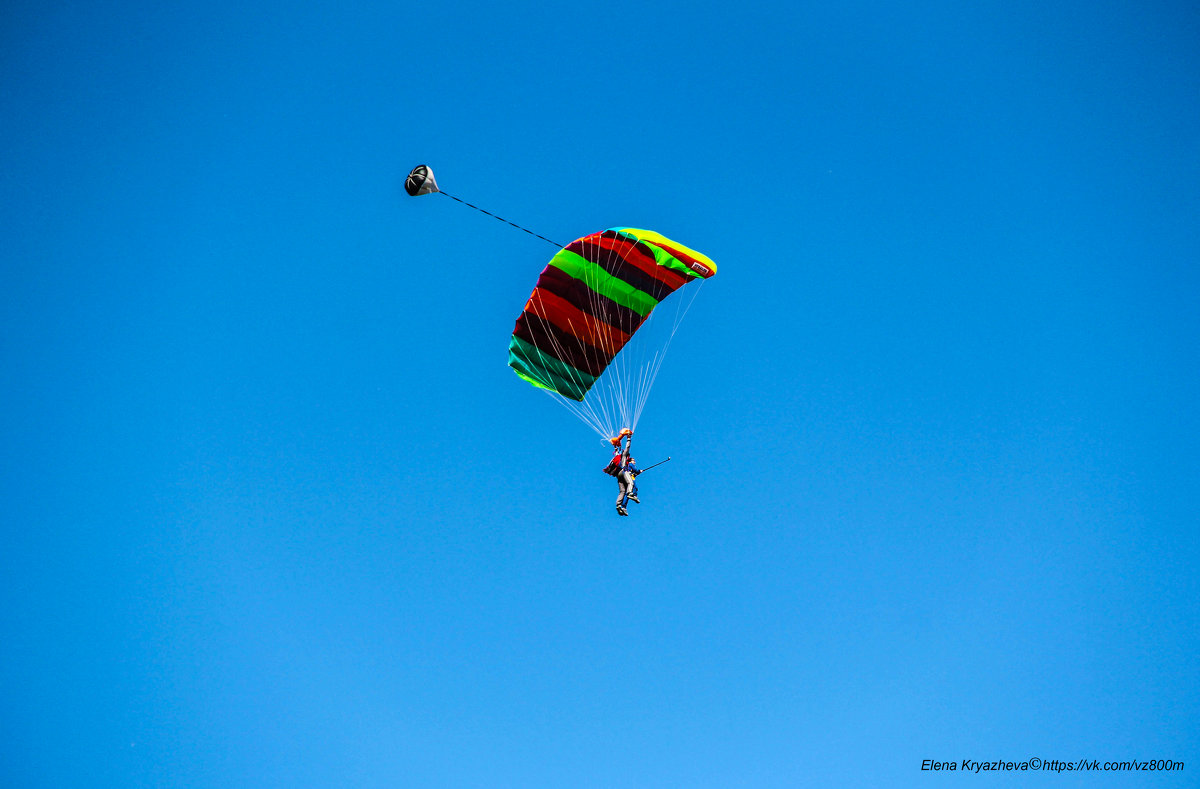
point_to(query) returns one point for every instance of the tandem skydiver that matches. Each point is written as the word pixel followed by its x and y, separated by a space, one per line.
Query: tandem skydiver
pixel 624 468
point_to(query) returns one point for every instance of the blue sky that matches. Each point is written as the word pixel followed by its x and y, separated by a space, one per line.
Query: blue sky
pixel 278 514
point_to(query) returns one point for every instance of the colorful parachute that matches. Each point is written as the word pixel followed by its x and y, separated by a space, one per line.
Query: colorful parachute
pixel 587 305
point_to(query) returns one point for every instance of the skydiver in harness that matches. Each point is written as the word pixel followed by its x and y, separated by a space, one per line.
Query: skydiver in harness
pixel 623 467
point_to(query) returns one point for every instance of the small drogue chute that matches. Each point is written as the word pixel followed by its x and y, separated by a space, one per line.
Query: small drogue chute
pixel 420 181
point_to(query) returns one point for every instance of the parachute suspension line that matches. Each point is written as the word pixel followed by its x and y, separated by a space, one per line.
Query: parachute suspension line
pixel 502 219
pixel 640 389
pixel 623 392
pixel 610 394
pixel 596 409
pixel 644 382
pixel 595 397
pixel 582 410
pixel 681 312
pixel 584 415
pixel 632 374
pixel 595 403
pixel 630 396
pixel 618 391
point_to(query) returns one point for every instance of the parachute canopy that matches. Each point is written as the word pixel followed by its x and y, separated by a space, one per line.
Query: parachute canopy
pixel 589 301
pixel 420 181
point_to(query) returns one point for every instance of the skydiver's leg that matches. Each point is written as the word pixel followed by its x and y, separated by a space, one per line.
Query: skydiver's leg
pixel 624 484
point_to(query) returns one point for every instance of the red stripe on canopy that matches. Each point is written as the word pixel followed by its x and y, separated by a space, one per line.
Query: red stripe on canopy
pixel 570 318
pixel 634 254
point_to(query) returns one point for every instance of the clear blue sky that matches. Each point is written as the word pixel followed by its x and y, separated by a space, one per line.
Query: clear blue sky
pixel 277 514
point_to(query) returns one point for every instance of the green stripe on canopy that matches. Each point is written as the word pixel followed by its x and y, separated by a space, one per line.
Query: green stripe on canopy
pixel 542 369
pixel 604 283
